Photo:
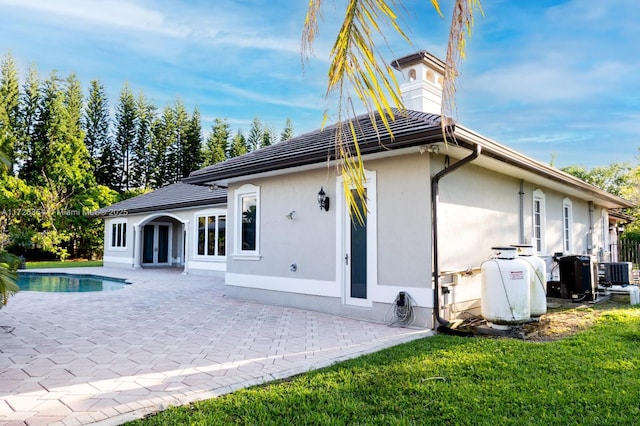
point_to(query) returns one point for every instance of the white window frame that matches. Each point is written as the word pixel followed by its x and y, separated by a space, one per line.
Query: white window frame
pixel 121 231
pixel 567 226
pixel 539 242
pixel 207 214
pixel 246 190
pixel 342 241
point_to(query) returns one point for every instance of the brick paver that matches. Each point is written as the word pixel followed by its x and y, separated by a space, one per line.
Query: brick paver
pixel 167 339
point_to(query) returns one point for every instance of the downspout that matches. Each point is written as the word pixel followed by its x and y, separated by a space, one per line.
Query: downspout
pixel 590 235
pixel 521 217
pixel 434 229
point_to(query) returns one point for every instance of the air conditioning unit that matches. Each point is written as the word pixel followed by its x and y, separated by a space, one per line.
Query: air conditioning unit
pixel 578 278
pixel 617 273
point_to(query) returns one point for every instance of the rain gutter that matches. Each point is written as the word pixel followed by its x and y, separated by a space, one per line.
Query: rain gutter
pixel 435 180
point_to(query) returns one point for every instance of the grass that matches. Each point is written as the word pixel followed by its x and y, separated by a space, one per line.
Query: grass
pixel 65 264
pixel 589 378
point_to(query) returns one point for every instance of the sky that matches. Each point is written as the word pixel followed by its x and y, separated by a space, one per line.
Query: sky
pixel 558 81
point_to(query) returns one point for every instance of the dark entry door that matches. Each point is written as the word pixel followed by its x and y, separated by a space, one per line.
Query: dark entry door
pixel 163 244
pixel 359 253
pixel 148 244
pixel 155 244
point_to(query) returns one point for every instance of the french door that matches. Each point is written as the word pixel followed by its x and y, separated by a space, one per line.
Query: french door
pixel 156 244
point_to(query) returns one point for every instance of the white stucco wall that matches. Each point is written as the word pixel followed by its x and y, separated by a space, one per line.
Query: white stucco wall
pixel 306 240
pixel 404 220
pixel 312 239
pixel 118 256
pixel 480 209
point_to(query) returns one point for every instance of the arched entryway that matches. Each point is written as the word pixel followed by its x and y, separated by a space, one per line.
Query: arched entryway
pixel 160 241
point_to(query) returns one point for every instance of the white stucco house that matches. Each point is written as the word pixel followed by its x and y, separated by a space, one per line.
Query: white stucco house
pixel 180 225
pixel 434 212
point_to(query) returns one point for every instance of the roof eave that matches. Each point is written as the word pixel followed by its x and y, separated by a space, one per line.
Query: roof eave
pixel 506 155
pixel 433 135
pixel 111 212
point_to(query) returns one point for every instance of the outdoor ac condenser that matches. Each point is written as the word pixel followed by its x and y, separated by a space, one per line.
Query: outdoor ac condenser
pixel 579 276
pixel 617 273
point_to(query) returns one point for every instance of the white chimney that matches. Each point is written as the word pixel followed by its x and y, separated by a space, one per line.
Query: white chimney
pixel 421 84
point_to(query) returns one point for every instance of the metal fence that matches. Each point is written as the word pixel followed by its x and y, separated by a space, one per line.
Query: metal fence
pixel 629 251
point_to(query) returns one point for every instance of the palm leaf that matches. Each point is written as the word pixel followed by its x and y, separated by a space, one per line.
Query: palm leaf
pixel 357 65
pixel 8 286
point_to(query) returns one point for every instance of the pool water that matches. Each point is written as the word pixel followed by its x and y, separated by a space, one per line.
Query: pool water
pixel 61 282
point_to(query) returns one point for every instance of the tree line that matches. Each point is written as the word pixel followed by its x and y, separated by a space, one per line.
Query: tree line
pixel 66 156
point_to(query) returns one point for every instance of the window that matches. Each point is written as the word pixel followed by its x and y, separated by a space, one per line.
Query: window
pixel 247 229
pixel 118 234
pixel 249 210
pixel 212 231
pixel 567 226
pixel 538 238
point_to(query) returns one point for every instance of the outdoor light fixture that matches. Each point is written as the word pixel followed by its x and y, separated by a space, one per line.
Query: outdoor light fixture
pixel 323 200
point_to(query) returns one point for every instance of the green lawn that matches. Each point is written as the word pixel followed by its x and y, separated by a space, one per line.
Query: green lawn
pixel 65 264
pixel 591 378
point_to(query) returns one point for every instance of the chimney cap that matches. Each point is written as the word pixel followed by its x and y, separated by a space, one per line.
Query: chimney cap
pixel 421 56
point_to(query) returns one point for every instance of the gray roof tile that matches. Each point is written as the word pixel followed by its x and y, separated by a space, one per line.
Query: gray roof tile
pixel 174 196
pixel 410 128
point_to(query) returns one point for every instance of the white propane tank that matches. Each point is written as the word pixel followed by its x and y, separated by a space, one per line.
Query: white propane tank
pixel 506 289
pixel 538 273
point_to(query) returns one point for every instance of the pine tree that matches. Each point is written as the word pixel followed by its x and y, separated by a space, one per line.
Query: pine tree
pixel 287 132
pixel 76 162
pixel 107 172
pixel 125 137
pixel 49 133
pixel 96 127
pixel 255 134
pixel 9 109
pixel 268 137
pixel 217 142
pixel 176 149
pixel 163 134
pixel 193 146
pixel 142 167
pixel 238 145
pixel 27 144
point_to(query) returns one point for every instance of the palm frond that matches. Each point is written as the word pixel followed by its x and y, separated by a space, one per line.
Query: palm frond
pixel 461 26
pixel 8 265
pixel 358 67
pixel 8 286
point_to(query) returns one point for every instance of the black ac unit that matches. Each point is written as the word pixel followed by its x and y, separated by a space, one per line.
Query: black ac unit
pixel 578 278
pixel 617 273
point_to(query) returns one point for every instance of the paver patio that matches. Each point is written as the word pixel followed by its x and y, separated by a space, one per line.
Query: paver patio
pixel 167 339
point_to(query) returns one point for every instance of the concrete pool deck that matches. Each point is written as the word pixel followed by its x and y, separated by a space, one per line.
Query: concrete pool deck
pixel 167 339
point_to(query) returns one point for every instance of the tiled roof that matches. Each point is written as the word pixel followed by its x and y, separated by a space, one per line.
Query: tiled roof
pixel 409 129
pixel 174 196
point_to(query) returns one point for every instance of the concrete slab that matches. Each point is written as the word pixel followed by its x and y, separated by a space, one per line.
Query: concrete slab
pixel 167 339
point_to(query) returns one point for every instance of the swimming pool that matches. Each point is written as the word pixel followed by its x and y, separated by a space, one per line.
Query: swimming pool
pixel 64 283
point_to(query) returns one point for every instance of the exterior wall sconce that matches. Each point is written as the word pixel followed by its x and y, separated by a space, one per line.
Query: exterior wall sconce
pixel 323 200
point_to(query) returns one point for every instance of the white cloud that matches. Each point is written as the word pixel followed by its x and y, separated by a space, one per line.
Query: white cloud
pixel 260 97
pixel 548 81
pixel 247 38
pixel 123 14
